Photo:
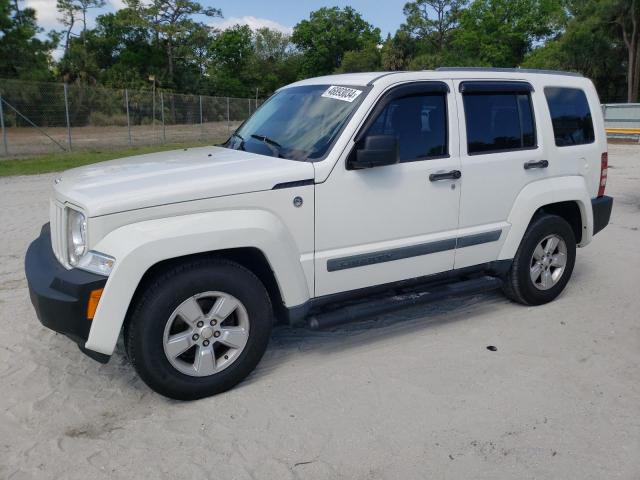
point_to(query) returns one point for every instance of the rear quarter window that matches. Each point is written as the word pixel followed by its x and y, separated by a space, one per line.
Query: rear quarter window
pixel 570 116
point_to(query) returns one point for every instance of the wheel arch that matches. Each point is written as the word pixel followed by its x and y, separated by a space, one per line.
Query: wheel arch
pixel 255 239
pixel 566 197
pixel 251 258
pixel 569 211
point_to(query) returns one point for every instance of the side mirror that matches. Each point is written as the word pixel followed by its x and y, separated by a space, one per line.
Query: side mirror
pixel 378 150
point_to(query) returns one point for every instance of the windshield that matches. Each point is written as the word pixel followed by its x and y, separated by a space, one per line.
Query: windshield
pixel 298 123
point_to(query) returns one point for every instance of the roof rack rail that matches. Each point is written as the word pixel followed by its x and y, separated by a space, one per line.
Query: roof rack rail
pixel 508 70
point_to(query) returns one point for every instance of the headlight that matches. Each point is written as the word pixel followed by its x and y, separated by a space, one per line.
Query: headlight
pixel 76 236
pixel 94 262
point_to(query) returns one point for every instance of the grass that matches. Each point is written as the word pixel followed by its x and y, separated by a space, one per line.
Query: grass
pixel 56 162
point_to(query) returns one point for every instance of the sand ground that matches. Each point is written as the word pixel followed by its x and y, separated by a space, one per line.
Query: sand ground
pixel 411 395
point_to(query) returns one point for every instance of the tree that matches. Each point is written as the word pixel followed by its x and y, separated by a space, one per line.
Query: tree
pixel 231 52
pixel 272 44
pixel 171 22
pixel 397 51
pixel 232 47
pixel 124 49
pixel 625 14
pixel 424 40
pixel 432 20
pixel 22 53
pixel 589 43
pixel 170 40
pixel 499 33
pixel 328 34
pixel 276 60
pixel 117 52
pixel 365 60
pixel 68 12
pixel 84 6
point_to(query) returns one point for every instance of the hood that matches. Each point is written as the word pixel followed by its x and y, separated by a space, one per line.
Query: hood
pixel 175 176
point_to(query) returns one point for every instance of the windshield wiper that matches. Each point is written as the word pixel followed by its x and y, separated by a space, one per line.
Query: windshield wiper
pixel 269 142
pixel 265 139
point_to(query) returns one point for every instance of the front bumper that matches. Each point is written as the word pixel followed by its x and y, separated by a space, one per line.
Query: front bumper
pixel 60 296
pixel 601 212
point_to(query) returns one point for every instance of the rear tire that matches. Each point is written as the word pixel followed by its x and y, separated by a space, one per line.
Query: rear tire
pixel 544 262
pixel 185 342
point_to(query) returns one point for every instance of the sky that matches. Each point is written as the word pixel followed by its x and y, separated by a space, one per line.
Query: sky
pixel 278 14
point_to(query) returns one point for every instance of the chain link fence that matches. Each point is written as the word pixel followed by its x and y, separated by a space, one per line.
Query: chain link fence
pixel 38 118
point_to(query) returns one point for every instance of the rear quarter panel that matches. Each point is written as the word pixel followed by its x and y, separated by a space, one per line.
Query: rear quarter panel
pixel 583 160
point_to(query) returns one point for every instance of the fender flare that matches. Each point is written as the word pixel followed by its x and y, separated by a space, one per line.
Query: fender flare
pixel 545 192
pixel 139 246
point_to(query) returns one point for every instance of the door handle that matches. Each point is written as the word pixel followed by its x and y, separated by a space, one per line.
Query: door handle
pixel 536 164
pixel 452 175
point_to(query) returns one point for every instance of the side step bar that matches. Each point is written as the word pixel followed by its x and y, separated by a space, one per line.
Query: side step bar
pixel 388 303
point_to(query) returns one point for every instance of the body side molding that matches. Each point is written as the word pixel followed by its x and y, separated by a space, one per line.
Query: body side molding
pixel 361 260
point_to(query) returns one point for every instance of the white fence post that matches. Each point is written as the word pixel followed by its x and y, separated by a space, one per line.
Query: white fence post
pixel 4 131
pixel 66 108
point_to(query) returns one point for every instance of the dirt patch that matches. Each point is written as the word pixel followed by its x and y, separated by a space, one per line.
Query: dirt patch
pixel 25 141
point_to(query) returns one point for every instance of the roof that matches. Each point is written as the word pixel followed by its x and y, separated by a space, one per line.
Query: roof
pixel 508 70
pixel 370 78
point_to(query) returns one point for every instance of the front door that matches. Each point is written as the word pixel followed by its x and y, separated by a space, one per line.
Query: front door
pixel 395 222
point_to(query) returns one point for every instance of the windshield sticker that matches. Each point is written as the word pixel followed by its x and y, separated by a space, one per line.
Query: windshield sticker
pixel 342 93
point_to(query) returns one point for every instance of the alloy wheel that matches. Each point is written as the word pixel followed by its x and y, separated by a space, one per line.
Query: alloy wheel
pixel 206 333
pixel 548 262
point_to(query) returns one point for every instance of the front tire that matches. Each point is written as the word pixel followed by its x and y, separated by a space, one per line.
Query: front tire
pixel 199 329
pixel 544 262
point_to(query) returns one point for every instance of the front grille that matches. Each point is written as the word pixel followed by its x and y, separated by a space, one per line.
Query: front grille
pixel 57 223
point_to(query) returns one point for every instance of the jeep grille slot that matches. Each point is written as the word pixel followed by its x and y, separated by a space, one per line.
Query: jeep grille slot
pixel 57 231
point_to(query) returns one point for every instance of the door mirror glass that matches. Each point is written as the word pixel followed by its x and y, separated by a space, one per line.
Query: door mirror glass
pixel 377 151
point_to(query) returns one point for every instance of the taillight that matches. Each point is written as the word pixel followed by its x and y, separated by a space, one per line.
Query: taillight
pixel 604 166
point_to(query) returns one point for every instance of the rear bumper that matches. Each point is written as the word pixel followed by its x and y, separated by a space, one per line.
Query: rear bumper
pixel 601 212
pixel 60 296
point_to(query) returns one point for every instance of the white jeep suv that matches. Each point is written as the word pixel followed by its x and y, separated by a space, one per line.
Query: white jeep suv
pixel 341 197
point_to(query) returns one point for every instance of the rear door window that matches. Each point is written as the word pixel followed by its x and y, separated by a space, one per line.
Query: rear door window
pixel 499 121
pixel 570 116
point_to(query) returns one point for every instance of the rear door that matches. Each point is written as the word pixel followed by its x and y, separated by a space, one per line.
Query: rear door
pixel 501 152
